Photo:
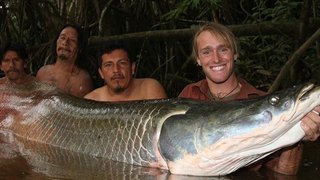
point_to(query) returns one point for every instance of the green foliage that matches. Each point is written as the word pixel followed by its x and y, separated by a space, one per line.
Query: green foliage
pixel 282 10
pixel 262 57
pixel 182 8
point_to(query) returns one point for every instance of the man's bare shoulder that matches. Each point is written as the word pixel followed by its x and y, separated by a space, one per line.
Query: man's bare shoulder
pixel 151 88
pixel 44 70
pixel 147 81
pixel 48 67
pixel 84 74
pixel 86 80
pixel 95 94
pixel 150 83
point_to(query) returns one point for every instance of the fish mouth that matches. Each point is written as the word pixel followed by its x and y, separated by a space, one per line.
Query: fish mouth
pixel 309 91
pixel 307 99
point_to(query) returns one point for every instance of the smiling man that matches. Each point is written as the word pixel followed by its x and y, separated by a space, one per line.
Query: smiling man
pixel 117 68
pixel 66 73
pixel 215 50
pixel 14 58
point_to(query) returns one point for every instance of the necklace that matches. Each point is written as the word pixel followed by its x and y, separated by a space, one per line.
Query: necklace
pixel 213 97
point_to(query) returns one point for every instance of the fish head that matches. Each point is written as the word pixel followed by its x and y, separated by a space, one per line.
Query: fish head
pixel 293 103
pixel 215 138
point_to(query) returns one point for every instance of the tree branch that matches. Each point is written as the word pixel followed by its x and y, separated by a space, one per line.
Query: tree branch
pixel 266 28
pixel 294 58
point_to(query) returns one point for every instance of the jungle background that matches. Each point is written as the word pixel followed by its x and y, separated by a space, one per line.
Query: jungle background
pixel 279 39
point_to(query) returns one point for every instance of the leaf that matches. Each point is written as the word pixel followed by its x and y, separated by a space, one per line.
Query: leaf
pixel 264 72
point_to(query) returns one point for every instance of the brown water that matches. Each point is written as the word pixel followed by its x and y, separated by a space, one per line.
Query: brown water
pixel 57 164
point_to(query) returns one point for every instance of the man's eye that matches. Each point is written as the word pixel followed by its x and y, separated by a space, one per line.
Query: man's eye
pixel 16 59
pixel 123 63
pixel 206 52
pixel 107 65
pixel 73 40
pixel 223 50
pixel 5 60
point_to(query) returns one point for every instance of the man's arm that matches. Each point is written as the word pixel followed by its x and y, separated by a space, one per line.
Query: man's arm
pixel 311 125
pixel 288 162
pixel 86 85
pixel 41 74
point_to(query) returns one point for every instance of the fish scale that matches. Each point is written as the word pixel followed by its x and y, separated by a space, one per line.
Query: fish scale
pixel 95 128
pixel 184 136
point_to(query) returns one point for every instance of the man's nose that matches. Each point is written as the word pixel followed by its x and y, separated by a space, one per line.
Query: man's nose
pixel 215 56
pixel 116 67
pixel 65 41
pixel 11 63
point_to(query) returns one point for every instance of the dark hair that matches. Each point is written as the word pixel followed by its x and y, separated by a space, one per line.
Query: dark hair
pixel 17 47
pixel 82 45
pixel 107 49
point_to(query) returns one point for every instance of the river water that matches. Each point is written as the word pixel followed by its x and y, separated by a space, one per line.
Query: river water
pixel 58 164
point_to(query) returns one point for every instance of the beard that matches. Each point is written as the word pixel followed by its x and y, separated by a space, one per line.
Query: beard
pixel 119 89
pixel 63 56
pixel 13 74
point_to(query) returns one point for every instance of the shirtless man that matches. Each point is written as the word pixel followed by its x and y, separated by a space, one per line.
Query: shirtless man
pixel 13 63
pixel 66 73
pixel 116 68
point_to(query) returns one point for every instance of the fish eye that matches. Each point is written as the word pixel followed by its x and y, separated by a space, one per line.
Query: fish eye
pixel 274 100
pixel 286 105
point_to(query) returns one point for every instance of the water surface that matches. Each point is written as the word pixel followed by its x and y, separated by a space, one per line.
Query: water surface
pixel 51 163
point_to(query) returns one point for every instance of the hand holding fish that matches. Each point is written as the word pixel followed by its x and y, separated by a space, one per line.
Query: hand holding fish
pixel 311 125
pixel 290 158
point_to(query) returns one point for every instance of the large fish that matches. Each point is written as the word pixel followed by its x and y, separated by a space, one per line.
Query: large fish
pixel 184 136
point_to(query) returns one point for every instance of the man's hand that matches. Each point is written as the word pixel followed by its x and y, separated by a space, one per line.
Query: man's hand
pixel 311 125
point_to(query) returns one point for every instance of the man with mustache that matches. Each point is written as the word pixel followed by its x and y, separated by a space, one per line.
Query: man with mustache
pixel 116 68
pixel 68 73
pixel 215 50
pixel 14 58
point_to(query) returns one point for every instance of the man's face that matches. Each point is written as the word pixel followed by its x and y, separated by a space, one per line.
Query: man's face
pixel 12 66
pixel 215 57
pixel 67 44
pixel 116 70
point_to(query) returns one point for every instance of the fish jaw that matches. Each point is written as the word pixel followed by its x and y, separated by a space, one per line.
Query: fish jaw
pixel 307 99
pixel 228 155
